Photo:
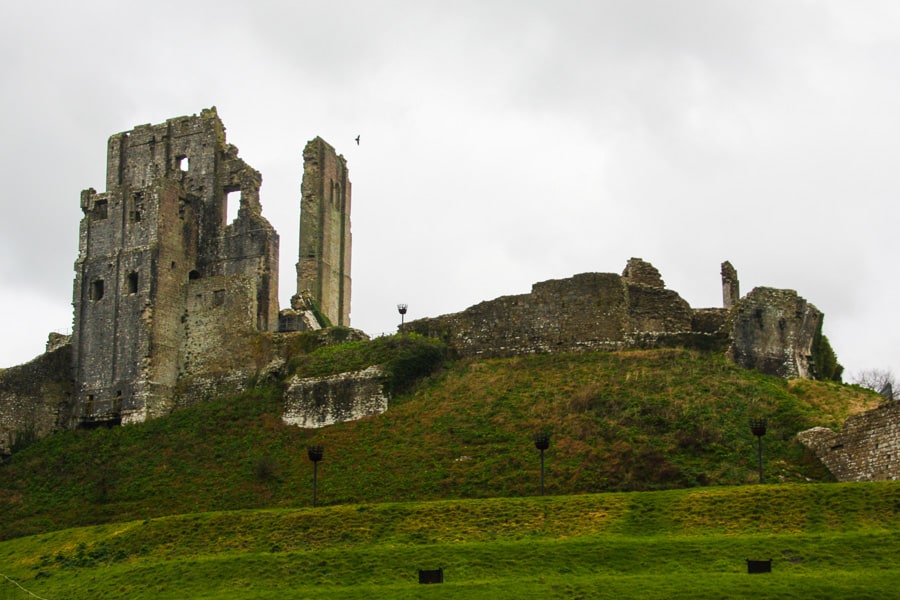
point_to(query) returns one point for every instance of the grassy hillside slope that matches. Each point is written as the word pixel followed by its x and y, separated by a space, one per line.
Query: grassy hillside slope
pixel 619 421
pixel 825 541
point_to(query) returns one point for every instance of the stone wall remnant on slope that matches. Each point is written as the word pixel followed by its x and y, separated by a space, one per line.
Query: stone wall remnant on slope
pixel 314 402
pixel 774 331
pixel 867 448
pixel 590 311
pixel 35 398
pixel 769 330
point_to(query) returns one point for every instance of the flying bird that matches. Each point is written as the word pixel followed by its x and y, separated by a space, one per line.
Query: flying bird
pixel 357 140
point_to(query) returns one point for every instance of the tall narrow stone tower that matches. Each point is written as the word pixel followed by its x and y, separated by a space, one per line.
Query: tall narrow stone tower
pixel 323 271
pixel 731 287
pixel 161 278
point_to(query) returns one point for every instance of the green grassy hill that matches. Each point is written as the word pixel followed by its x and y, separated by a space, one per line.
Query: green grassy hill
pixel 824 540
pixel 626 421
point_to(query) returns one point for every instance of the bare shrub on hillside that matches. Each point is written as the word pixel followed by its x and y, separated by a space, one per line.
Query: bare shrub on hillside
pixel 879 380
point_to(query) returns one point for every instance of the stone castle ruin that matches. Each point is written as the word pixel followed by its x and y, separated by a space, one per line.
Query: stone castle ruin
pixel 161 276
pixel 164 285
pixel 771 330
pixel 167 290
pixel 174 305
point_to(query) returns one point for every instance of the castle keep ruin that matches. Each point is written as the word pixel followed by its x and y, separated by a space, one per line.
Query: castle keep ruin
pixel 158 266
pixel 172 303
pixel 165 286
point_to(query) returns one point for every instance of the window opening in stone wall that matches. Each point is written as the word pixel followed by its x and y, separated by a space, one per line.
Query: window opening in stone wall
pixel 137 207
pixel 218 297
pixel 233 203
pixel 131 283
pixel 194 275
pixel 101 209
pixel 96 289
pixel 184 163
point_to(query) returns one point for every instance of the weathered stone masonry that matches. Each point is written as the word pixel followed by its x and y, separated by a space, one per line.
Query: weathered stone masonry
pixel 774 331
pixel 322 401
pixel 323 271
pixel 155 256
pixel 867 448
pixel 769 330
pixel 35 398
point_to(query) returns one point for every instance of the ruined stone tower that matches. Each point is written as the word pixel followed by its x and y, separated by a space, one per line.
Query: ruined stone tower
pixel 323 270
pixel 161 278
pixel 731 287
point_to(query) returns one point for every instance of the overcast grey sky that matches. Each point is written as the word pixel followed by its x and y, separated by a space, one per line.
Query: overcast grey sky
pixel 502 143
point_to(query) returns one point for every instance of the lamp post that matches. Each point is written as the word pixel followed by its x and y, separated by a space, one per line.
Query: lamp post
pixel 542 442
pixel 758 427
pixel 315 455
pixel 401 308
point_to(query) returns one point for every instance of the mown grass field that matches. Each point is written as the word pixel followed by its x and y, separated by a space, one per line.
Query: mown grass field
pixel 825 541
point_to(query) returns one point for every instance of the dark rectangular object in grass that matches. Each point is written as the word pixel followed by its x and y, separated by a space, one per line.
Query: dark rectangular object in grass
pixel 759 566
pixel 431 575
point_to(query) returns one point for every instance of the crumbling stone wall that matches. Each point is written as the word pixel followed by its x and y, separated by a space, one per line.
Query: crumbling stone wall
pixel 304 315
pixel 640 272
pixel 867 448
pixel 218 324
pixel 769 330
pixel 323 271
pixel 590 311
pixel 321 401
pixel 774 331
pixel 35 398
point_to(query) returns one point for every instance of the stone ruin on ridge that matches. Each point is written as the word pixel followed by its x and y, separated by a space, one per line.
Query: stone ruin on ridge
pixel 774 331
pixel 173 305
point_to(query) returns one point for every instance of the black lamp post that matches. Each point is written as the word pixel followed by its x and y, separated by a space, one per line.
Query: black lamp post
pixel 315 455
pixel 758 427
pixel 401 308
pixel 542 442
